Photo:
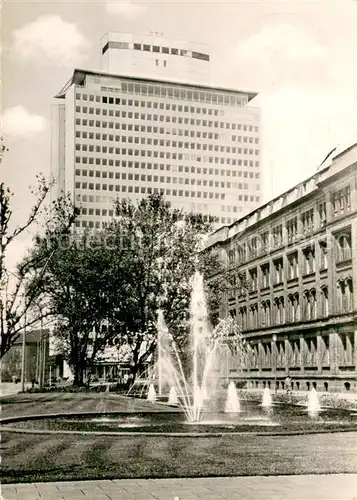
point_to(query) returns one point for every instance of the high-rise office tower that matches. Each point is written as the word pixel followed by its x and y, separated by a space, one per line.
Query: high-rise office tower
pixel 120 135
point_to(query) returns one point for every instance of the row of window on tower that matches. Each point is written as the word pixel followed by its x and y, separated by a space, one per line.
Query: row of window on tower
pixel 145 47
pixel 91 224
pixel 157 91
pixel 155 178
pixel 123 188
pixel 173 131
pixel 98 148
pixel 94 160
pixel 125 113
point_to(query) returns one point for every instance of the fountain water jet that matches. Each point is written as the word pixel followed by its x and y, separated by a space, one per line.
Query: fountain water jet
pixel 194 372
pixel 173 399
pixel 313 403
pixel 204 393
pixel 232 403
pixel 196 380
pixel 151 396
pixel 267 400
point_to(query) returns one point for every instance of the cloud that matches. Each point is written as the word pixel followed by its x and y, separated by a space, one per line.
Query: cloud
pixel 276 54
pixel 17 121
pixel 18 249
pixel 300 126
pixel 125 8
pixel 49 38
pixel 280 39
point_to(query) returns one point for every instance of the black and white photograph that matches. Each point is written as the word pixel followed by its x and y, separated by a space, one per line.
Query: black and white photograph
pixel 178 250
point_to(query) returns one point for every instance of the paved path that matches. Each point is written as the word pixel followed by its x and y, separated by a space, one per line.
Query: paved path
pixel 314 487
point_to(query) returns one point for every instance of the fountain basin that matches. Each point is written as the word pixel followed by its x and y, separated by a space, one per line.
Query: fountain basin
pixel 282 419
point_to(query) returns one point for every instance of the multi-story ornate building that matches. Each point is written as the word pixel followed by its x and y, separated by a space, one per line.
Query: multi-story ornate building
pixel 293 265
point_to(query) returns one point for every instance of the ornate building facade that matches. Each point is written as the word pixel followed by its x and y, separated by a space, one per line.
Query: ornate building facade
pixel 292 264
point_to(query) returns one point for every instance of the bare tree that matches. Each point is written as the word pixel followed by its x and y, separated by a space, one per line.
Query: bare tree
pixel 17 311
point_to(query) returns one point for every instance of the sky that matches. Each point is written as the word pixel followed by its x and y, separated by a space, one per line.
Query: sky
pixel 300 56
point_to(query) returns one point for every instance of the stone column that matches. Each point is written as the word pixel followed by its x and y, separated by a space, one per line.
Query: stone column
pixel 354 352
pixel 301 269
pixel 260 356
pixel 273 358
pixel 248 363
pixel 302 352
pixel 354 255
pixel 287 348
pixel 319 352
pixel 333 347
pixel 331 273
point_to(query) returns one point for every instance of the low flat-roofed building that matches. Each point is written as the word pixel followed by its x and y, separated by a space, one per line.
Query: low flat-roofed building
pixel 36 357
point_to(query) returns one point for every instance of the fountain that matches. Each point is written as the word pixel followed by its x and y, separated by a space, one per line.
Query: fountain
pixel 204 393
pixel 267 400
pixel 232 403
pixel 173 399
pixel 196 384
pixel 193 373
pixel 313 403
pixel 193 381
pixel 151 396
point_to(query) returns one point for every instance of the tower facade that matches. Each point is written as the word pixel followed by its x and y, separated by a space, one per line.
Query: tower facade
pixel 155 56
pixel 117 136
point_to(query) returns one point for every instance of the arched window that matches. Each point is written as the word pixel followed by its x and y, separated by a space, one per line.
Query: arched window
pixel 243 317
pixel 263 314
pixel 233 313
pixel 324 301
pixel 282 310
pixel 290 308
pixel 312 301
pixel 350 294
pixel 268 313
pixel 344 247
pixel 305 305
pixel 253 316
pixel 345 295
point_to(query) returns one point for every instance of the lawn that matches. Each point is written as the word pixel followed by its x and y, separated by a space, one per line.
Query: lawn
pixel 45 403
pixel 34 457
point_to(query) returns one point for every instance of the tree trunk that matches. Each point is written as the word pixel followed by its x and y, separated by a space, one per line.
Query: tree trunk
pixel 77 360
pixel 78 375
pixel 78 365
pixel 134 370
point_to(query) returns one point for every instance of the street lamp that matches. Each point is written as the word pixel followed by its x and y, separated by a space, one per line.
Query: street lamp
pixel 274 338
